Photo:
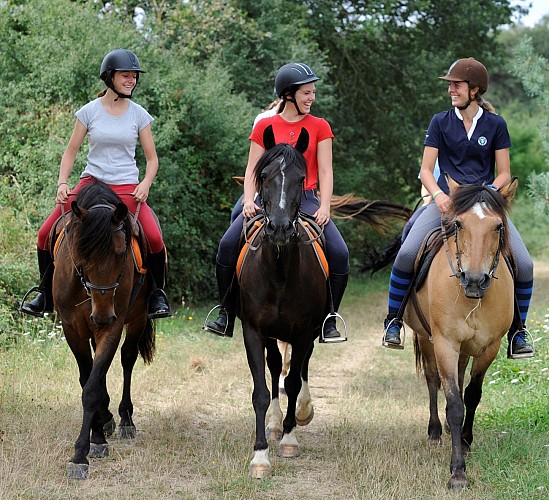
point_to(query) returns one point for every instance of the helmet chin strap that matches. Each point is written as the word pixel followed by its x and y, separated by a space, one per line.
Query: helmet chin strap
pixel 109 83
pixel 296 106
pixel 469 101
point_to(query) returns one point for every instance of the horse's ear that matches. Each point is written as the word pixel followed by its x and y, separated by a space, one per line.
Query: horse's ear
pixel 120 213
pixel 508 191
pixel 79 212
pixel 452 184
pixel 269 138
pixel 302 141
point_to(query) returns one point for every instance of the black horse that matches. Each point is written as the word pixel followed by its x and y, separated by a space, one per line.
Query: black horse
pixel 282 293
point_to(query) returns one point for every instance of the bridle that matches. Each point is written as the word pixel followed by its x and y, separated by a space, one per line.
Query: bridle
pixel 90 287
pixel 459 274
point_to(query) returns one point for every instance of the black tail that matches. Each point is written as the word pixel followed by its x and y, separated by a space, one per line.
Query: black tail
pixel 147 342
pixel 375 260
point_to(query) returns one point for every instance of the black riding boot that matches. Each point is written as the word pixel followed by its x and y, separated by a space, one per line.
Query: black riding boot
pixel 157 304
pixel 224 324
pixel 338 284
pixel 518 336
pixel 43 302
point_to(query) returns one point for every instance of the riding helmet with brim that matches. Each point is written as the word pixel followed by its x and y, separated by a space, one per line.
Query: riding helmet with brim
pixel 468 70
pixel 293 74
pixel 119 60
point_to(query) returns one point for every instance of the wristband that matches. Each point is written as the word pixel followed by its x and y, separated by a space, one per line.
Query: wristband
pixel 492 186
pixel 61 183
pixel 436 193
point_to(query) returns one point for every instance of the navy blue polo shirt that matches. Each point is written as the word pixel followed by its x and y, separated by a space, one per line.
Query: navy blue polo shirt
pixel 467 161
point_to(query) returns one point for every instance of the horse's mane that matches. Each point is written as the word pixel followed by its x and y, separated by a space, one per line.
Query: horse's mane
pixel 286 153
pixel 93 244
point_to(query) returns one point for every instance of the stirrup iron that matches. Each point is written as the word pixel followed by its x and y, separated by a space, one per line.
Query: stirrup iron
pixel 528 337
pixel 205 325
pixel 390 345
pixel 333 340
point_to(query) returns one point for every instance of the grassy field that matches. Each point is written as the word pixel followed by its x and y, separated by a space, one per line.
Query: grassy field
pixel 195 419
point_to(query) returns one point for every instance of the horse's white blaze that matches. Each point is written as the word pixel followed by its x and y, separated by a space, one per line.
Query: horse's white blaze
pixel 282 201
pixel 289 439
pixel 479 210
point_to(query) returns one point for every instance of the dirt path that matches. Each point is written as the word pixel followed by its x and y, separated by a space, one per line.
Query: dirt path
pixel 196 424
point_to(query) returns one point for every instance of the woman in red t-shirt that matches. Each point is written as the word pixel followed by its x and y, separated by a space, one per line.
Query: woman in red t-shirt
pixel 294 84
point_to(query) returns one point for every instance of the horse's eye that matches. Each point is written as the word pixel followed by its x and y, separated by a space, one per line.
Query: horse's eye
pixel 499 227
pixel 458 225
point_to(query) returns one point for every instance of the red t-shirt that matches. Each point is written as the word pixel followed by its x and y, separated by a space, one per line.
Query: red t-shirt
pixel 318 128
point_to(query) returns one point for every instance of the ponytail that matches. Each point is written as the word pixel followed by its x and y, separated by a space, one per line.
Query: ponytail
pixel 486 105
pixel 102 93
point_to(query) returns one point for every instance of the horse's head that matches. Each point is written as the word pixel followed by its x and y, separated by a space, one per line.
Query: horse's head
pixel 100 234
pixel 279 176
pixel 478 221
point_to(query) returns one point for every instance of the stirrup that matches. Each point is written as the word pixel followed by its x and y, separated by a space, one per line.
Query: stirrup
pixel 529 337
pixel 157 314
pixel 30 312
pixel 333 340
pixel 390 345
pixel 211 330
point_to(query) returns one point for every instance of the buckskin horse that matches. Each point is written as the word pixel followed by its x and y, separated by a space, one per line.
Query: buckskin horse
pixel 98 289
pixel 462 310
pixel 283 293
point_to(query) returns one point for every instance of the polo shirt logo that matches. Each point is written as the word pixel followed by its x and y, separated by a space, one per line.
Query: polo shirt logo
pixel 482 141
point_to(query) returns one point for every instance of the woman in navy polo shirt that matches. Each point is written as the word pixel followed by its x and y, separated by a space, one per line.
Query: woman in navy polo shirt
pixel 471 142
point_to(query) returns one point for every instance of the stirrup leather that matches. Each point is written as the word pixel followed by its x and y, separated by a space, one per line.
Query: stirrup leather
pixel 333 340
pixel 384 342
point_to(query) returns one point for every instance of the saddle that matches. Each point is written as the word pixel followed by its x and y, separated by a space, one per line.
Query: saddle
pixel 308 229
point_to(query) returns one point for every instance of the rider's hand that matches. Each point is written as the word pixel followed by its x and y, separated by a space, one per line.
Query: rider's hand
pixel 249 209
pixel 322 216
pixel 443 202
pixel 141 192
pixel 62 195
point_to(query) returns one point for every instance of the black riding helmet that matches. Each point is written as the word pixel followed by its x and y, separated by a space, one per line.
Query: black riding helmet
pixel 289 77
pixel 119 60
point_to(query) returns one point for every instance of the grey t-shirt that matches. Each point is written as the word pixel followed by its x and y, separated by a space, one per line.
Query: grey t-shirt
pixel 112 141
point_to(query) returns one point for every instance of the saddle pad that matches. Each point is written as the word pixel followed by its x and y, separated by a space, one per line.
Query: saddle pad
pixel 253 231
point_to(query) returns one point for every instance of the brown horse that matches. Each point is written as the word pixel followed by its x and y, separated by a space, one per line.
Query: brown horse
pixel 97 289
pixel 462 310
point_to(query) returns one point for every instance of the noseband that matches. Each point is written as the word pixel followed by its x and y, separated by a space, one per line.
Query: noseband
pixel 460 273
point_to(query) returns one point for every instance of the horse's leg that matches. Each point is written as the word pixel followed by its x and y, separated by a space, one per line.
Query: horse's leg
pixel 260 465
pixel 93 397
pixel 274 414
pixel 109 425
pixel 434 429
pixel 289 446
pixel 285 351
pixel 128 357
pixel 447 362
pixel 473 393
pixel 305 411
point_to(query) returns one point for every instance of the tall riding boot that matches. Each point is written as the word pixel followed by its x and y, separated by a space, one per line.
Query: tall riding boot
pixel 224 324
pixel 400 288
pixel 157 304
pixel 338 284
pixel 43 302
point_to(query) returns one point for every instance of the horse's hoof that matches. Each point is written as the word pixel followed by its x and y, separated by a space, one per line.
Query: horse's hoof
pixel 260 471
pixel 457 482
pixel 274 434
pixel 77 471
pixel 126 432
pixel 288 451
pixel 307 420
pixel 109 427
pixel 98 450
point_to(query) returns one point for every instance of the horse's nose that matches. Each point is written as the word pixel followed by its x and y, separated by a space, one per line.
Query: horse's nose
pixel 103 321
pixel 474 284
pixel 279 231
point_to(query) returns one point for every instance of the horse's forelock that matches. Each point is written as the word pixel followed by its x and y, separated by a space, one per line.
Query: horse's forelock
pixel 466 197
pixel 286 152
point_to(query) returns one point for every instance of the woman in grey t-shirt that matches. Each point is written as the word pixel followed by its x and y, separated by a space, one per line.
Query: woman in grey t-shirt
pixel 113 124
